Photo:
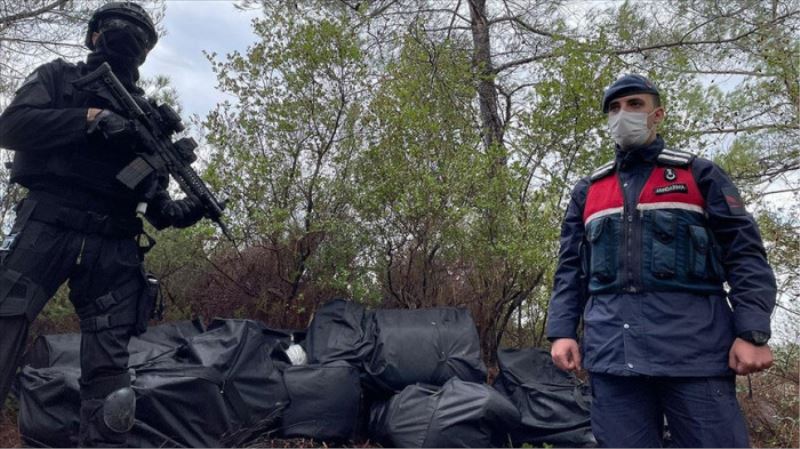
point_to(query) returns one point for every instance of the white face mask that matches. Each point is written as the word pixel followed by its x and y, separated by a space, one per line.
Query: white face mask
pixel 629 129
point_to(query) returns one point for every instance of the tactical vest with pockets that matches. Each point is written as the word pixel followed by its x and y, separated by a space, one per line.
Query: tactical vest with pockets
pixel 664 245
pixel 79 165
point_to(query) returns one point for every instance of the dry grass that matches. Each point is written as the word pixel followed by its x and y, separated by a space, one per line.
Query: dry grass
pixel 773 410
pixel 305 442
pixel 9 435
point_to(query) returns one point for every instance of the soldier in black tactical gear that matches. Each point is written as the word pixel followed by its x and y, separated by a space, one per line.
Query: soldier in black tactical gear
pixel 79 223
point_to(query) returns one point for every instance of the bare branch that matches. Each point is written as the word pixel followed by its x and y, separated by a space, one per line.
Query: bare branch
pixel 448 29
pixel 743 129
pixel 40 42
pixel 730 72
pixel 523 61
pixel 523 24
pixel 707 41
pixel 775 192
pixel 661 46
pixel 29 14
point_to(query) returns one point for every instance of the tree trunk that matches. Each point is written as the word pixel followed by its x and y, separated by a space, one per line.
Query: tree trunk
pixel 492 125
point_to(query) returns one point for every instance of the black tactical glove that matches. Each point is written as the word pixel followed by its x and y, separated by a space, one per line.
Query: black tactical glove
pixel 114 128
pixel 183 213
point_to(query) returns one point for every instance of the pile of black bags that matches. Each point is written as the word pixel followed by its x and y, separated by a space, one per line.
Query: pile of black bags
pixel 401 378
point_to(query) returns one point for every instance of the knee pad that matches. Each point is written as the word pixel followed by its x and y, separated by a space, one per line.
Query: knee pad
pixel 119 410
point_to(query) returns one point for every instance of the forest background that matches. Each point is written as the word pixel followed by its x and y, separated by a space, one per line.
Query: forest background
pixel 420 153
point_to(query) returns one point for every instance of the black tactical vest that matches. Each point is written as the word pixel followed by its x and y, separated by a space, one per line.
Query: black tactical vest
pixel 91 167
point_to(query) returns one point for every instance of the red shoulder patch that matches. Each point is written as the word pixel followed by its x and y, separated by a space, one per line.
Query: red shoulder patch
pixel 734 200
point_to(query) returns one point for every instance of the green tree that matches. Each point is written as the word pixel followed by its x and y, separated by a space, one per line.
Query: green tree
pixel 284 155
pixel 482 114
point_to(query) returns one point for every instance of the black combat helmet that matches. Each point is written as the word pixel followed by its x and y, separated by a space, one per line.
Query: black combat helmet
pixel 122 14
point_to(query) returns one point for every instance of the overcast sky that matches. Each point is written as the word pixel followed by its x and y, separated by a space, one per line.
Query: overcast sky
pixel 193 26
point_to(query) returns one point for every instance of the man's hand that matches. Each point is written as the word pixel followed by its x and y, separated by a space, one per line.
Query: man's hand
pixel 566 354
pixel 91 113
pixel 113 127
pixel 183 213
pixel 745 357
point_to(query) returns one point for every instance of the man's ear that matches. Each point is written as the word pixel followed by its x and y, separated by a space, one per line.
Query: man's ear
pixel 659 115
pixel 95 36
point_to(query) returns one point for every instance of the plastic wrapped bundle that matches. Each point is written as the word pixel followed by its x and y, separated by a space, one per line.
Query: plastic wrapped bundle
pixel 423 346
pixel 337 333
pixel 324 401
pixel 211 384
pixel 554 405
pixel 64 349
pixel 458 414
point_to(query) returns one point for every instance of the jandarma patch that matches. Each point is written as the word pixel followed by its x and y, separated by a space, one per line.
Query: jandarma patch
pixel 672 188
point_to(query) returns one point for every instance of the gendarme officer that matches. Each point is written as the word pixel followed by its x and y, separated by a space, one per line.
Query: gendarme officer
pixel 647 242
pixel 78 223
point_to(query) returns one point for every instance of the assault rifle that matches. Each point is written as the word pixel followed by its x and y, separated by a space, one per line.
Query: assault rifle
pixel 155 125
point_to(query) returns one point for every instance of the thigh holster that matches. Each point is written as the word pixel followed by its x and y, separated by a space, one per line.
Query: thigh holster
pixel 116 308
pixel 19 295
pixel 132 304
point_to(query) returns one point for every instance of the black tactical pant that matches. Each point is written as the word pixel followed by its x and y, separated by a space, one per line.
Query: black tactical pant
pixel 50 246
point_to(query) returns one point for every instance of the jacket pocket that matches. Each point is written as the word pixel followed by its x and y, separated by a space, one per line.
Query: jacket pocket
pixel 603 249
pixel 664 254
pixel 583 250
pixel 702 260
pixel 716 272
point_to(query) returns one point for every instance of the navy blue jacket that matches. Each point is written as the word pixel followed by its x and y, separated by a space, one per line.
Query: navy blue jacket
pixel 665 333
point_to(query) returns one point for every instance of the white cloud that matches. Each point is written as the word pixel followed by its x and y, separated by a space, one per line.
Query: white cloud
pixel 194 26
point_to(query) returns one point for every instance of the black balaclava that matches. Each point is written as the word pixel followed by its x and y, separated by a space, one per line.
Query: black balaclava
pixel 120 45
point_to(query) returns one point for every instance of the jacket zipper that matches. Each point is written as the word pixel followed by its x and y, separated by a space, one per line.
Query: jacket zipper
pixel 631 239
pixel 80 253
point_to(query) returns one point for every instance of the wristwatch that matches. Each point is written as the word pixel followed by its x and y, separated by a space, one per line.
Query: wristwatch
pixel 757 338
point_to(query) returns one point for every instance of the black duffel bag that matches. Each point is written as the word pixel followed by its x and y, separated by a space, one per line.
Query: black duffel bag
pixel 554 404
pixel 427 346
pixel 324 401
pixel 457 414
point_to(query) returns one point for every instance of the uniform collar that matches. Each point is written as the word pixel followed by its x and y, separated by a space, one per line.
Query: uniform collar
pixel 645 154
